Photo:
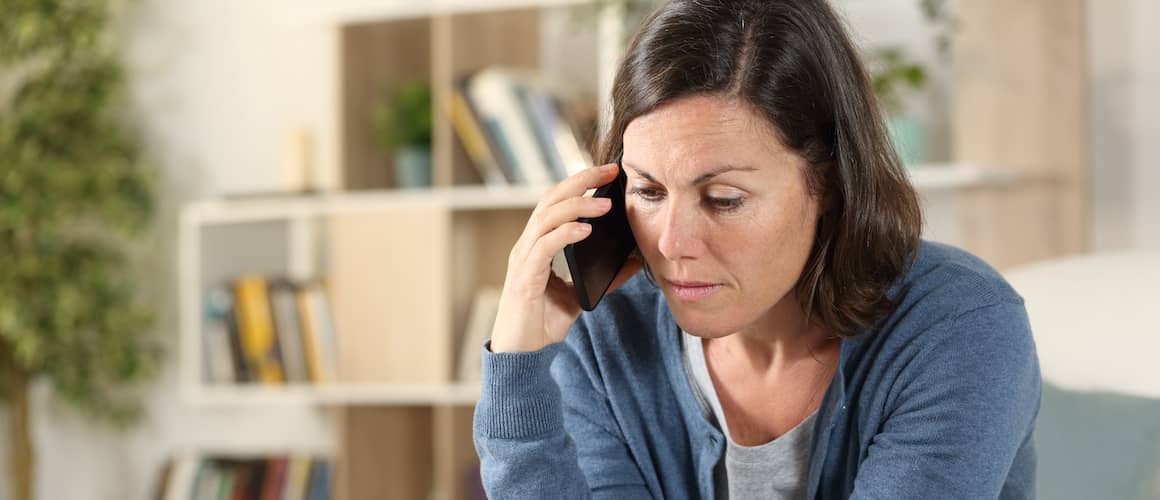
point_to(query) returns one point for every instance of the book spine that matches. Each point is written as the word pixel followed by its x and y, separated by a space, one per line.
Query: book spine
pixel 494 92
pixel 288 331
pixel 256 326
pixel 473 139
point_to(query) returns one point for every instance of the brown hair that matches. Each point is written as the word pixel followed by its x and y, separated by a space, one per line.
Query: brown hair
pixel 793 62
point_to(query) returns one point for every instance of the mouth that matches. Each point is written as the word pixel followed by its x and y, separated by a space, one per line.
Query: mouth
pixel 692 290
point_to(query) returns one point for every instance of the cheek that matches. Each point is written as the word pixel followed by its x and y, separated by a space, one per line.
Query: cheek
pixel 646 229
pixel 778 252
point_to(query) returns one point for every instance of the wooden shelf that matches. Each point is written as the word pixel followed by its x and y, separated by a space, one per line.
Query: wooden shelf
pixel 929 177
pixel 942 177
pixel 282 207
pixel 310 12
pixel 458 394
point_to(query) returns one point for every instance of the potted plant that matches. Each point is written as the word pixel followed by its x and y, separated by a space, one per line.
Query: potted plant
pixel 894 73
pixel 74 192
pixel 402 125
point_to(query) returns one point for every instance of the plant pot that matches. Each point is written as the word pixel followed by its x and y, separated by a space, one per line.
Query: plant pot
pixel 909 137
pixel 413 167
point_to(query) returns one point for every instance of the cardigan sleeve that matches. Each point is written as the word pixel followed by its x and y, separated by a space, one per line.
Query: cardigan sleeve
pixel 960 420
pixel 548 432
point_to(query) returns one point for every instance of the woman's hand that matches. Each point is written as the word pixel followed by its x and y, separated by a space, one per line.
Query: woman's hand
pixel 536 307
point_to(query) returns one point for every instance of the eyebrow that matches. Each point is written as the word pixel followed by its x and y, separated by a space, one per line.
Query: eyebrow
pixel 700 179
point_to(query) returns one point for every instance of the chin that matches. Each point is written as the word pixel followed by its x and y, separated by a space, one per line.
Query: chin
pixel 705 324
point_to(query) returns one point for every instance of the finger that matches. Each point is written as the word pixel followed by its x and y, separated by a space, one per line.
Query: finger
pixel 547 246
pixel 567 211
pixel 572 187
pixel 578 183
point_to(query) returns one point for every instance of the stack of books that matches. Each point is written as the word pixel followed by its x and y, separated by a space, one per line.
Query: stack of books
pixel 281 477
pixel 269 331
pixel 514 129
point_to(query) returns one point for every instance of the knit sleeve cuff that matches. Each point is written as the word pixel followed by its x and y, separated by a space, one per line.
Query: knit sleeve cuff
pixel 519 398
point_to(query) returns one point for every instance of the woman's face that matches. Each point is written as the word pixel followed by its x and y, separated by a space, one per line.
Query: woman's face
pixel 718 204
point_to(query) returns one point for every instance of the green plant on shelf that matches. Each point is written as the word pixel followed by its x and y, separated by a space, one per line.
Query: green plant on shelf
pixel 402 125
pixel 892 73
pixel 403 118
pixel 74 194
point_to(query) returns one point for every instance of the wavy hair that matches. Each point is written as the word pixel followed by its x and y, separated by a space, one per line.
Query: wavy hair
pixel 793 62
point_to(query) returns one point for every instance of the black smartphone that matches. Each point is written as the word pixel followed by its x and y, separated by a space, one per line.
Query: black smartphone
pixel 595 260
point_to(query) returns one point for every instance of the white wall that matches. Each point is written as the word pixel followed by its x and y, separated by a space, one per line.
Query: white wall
pixel 1125 123
pixel 219 86
pixel 1147 132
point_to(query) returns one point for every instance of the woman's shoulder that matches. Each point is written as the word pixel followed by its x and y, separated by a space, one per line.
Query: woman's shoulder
pixel 953 281
pixel 951 298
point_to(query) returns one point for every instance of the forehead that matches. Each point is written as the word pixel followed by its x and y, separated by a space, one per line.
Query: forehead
pixel 701 131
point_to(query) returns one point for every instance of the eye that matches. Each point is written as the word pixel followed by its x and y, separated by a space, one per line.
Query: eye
pixel 647 194
pixel 724 204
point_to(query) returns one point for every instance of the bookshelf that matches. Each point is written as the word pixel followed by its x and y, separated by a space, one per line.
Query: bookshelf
pixel 304 217
pixel 404 265
pixel 457 239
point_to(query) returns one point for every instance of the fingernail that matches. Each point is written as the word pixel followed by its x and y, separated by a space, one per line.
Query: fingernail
pixel 610 167
pixel 604 202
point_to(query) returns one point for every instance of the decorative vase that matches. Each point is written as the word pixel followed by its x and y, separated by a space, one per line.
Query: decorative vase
pixel 413 167
pixel 909 137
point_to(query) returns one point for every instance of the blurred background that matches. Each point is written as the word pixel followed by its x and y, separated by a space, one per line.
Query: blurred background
pixel 250 248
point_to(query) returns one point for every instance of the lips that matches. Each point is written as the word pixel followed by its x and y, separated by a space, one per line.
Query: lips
pixel 690 284
pixel 692 290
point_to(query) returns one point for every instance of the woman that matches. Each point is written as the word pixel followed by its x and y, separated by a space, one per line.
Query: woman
pixel 791 336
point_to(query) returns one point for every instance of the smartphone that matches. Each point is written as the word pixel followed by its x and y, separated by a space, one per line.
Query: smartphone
pixel 595 260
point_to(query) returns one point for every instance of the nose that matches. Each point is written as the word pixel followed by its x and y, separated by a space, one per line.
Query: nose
pixel 680 236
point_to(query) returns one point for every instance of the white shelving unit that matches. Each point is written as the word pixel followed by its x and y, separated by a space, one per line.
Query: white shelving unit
pixel 310 12
pixel 301 215
pixel 461 394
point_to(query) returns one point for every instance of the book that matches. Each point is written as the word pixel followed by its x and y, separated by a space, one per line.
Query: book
pixel 237 351
pixel 493 91
pixel 573 157
pixel 180 483
pixel 229 480
pixel 275 480
pixel 319 343
pixel 256 328
pixel 474 140
pixel 188 476
pixel 510 121
pixel 526 93
pixel 288 331
pixel 274 324
pixel 219 357
pixel 255 478
pixel 209 478
pixel 480 321
pixel 319 488
pixel 297 478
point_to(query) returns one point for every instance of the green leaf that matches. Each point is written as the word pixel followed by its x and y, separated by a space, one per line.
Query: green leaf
pixel 75 191
pixel 404 118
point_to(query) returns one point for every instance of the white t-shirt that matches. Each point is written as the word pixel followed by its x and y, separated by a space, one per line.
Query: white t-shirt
pixel 773 470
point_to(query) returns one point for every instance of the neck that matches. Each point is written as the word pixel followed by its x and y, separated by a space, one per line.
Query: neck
pixel 781 339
